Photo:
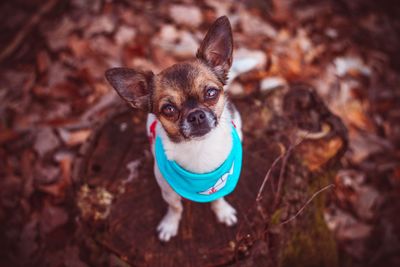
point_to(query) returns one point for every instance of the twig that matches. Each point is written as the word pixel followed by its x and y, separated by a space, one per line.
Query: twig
pixel 266 178
pixel 308 202
pixel 280 178
pixel 285 156
pixel 20 36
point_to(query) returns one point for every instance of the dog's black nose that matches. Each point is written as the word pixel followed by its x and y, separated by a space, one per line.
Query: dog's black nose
pixel 196 117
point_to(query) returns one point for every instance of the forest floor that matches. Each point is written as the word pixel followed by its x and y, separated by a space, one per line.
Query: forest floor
pixel 53 55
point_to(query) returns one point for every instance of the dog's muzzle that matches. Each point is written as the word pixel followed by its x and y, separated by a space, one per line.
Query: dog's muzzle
pixel 197 123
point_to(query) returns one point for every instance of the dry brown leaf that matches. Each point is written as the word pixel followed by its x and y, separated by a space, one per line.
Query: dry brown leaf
pixel 79 46
pixel 75 137
pixel 186 15
pixel 46 141
pixel 61 188
pixel 315 154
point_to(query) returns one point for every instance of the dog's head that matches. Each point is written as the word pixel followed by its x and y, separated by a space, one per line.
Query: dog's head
pixel 187 98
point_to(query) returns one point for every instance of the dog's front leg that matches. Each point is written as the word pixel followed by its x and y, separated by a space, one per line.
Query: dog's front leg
pixel 168 227
pixel 224 211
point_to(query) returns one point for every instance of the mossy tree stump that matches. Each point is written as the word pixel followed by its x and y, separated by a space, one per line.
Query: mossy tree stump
pixel 121 204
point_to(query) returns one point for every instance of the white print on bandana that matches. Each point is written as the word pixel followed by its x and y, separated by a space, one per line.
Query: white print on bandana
pixel 219 184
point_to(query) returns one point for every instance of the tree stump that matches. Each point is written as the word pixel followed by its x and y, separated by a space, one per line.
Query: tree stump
pixel 120 203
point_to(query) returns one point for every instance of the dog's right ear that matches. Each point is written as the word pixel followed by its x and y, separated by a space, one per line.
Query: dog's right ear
pixel 217 47
pixel 133 86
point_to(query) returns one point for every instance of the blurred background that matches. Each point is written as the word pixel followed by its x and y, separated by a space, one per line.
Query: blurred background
pixel 53 54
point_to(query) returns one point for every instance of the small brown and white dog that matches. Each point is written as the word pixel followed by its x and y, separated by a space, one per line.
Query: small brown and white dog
pixel 193 115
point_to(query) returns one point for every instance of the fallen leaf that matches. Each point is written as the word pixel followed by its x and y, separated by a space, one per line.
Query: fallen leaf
pixel 345 65
pixel 253 25
pixel 318 152
pixel 46 141
pixel 270 83
pixel 179 42
pixel 60 189
pixel 102 24
pixel 46 174
pixel 133 170
pixel 363 145
pixel 80 47
pixel 56 37
pixel 353 192
pixel 350 232
pixel 74 138
pixel 236 89
pixel 245 60
pixel 186 15
pixel 124 35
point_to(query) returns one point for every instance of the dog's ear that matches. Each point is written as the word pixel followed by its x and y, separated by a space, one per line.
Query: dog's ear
pixel 216 48
pixel 133 86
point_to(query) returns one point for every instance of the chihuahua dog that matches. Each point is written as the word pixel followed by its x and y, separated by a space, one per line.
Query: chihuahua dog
pixel 194 130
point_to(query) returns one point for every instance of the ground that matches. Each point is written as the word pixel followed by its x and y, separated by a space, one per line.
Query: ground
pixel 53 97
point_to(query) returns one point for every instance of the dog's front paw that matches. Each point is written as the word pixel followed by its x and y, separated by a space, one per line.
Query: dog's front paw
pixel 168 227
pixel 225 213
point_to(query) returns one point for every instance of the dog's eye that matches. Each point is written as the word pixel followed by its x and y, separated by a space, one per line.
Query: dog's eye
pixel 168 110
pixel 211 93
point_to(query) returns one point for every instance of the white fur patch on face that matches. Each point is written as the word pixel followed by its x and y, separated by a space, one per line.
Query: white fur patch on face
pixel 185 128
pixel 212 121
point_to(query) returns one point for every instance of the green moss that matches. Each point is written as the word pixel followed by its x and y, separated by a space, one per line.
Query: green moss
pixel 312 247
pixel 311 243
pixel 276 217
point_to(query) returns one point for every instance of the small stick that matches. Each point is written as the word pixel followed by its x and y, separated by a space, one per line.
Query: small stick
pixel 285 156
pixel 280 178
pixel 308 202
pixel 267 177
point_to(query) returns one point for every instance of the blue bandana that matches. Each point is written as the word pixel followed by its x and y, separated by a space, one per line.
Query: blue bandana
pixel 202 187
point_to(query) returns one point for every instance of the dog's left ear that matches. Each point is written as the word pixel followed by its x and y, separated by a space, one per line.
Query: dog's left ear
pixel 132 86
pixel 216 48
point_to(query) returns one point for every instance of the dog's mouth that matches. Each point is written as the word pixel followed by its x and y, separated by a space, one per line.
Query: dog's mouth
pixel 199 132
